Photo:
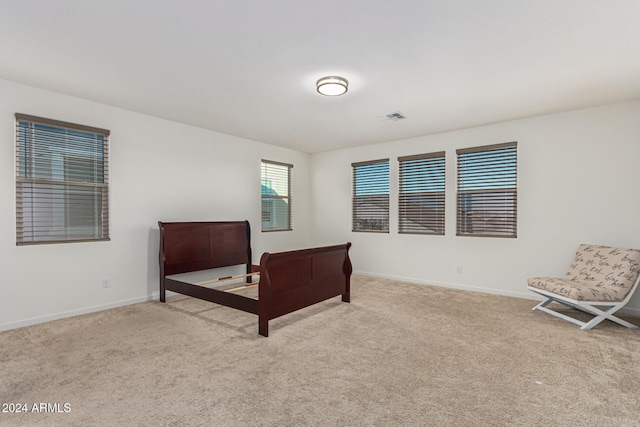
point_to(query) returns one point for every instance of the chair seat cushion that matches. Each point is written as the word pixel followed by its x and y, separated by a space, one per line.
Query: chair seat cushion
pixel 579 291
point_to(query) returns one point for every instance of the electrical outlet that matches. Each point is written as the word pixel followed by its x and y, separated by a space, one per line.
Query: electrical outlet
pixel 459 269
pixel 106 282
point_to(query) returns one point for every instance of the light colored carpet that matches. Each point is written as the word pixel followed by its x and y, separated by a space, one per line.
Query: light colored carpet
pixel 399 354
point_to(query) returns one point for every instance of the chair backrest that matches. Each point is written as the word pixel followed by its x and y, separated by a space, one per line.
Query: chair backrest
pixel 606 266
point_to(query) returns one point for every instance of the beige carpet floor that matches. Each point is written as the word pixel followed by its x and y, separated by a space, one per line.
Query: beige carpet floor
pixel 399 355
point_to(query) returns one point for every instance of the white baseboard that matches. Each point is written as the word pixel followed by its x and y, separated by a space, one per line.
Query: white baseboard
pixel 154 296
pixel 71 313
pixel 524 295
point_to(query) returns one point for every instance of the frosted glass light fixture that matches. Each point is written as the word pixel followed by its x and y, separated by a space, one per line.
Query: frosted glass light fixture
pixel 332 86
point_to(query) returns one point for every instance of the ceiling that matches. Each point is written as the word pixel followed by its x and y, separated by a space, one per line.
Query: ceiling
pixel 249 67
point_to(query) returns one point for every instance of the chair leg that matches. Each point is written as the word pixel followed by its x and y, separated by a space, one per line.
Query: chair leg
pixel 560 315
pixel 543 304
pixel 619 321
pixel 593 322
pixel 600 315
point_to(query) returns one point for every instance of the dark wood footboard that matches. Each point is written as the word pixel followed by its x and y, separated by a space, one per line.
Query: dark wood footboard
pixel 293 280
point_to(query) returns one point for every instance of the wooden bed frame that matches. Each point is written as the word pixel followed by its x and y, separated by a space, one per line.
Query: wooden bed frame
pixel 289 281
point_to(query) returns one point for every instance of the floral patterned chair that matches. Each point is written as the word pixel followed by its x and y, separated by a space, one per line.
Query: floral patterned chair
pixel 600 281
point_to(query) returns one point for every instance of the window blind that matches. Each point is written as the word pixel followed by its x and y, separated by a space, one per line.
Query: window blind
pixel 421 193
pixel 371 196
pixel 276 197
pixel 487 191
pixel 62 181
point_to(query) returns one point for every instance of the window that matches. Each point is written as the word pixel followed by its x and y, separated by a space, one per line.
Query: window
pixel 487 191
pixel 371 196
pixel 62 176
pixel 421 198
pixel 276 198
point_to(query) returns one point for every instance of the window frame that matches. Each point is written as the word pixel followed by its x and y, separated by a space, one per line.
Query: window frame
pixel 272 199
pixel 422 172
pixel 60 192
pixel 372 186
pixel 499 171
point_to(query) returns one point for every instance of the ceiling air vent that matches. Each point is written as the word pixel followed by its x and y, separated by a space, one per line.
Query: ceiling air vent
pixel 394 117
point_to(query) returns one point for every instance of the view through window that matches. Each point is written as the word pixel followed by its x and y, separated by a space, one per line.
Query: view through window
pixel 421 193
pixel 487 191
pixel 62 191
pixel 371 196
pixel 276 197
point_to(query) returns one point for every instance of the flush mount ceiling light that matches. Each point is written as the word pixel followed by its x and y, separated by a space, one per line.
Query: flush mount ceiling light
pixel 332 86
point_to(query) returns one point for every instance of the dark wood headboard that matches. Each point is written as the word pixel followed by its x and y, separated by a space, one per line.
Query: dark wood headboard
pixel 194 246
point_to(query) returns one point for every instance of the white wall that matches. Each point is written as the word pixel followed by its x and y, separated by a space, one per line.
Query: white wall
pixel 578 177
pixel 160 170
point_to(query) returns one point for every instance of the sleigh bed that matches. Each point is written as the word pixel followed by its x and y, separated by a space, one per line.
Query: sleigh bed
pixel 289 281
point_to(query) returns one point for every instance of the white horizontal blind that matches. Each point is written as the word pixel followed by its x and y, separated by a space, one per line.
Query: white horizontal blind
pixel 62 181
pixel 371 196
pixel 487 191
pixel 276 196
pixel 421 195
